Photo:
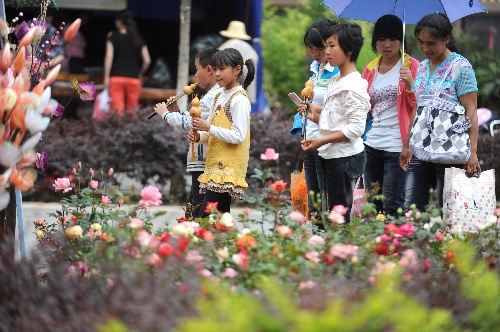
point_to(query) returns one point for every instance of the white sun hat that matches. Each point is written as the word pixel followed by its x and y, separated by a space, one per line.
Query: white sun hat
pixel 236 29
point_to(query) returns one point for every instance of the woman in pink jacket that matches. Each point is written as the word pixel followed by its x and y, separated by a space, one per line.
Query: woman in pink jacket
pixel 392 102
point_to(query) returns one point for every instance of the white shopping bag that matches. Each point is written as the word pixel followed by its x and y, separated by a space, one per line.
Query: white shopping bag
pixel 468 200
pixel 101 104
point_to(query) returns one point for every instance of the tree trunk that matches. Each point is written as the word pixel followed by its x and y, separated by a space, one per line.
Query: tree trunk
pixel 8 221
pixel 183 60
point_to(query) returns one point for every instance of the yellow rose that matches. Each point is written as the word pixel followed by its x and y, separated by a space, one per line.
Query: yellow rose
pixel 74 232
pixel 96 227
pixel 39 234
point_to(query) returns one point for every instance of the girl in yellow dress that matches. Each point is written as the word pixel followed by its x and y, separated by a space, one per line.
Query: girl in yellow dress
pixel 227 133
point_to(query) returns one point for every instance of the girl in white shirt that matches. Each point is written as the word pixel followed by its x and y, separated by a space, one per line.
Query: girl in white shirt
pixel 342 119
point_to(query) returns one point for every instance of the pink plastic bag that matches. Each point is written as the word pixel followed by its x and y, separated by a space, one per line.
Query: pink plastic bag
pixel 359 199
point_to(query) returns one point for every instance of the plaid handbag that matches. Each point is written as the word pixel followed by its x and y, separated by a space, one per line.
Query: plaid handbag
pixel 439 133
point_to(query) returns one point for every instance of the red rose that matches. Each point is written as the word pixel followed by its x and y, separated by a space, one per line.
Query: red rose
pixel 382 249
pixel 165 250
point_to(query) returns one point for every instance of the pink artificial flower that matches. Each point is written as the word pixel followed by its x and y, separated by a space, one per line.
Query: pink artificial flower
pixel 86 91
pixel 94 184
pixel 270 155
pixel 72 30
pixel 316 240
pixel 151 196
pixel 284 230
pixel 62 184
pixel 312 256
pixel 230 273
pixel 340 209
pixel 105 199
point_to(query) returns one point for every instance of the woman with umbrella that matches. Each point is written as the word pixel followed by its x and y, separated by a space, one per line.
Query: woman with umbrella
pixel 389 85
pixel 450 76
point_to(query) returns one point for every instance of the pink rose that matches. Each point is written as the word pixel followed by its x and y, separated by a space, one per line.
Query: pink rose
pixel 316 240
pixel 105 199
pixel 336 217
pixel 284 230
pixel 62 184
pixel 135 223
pixel 230 273
pixel 270 155
pixel 110 171
pixel 406 229
pixel 312 256
pixel 94 184
pixel 343 251
pixel 150 196
pixel 340 209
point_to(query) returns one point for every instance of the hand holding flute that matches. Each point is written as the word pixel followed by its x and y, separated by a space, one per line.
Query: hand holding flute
pixel 171 104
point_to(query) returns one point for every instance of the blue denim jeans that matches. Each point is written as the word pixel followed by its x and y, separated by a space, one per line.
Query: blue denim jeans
pixel 340 175
pixel 421 177
pixel 383 166
pixel 314 178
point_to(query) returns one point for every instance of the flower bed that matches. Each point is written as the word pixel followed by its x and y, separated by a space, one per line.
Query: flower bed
pixel 104 266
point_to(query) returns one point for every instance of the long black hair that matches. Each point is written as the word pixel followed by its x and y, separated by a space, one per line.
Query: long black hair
pixel 438 25
pixel 231 57
pixel 126 17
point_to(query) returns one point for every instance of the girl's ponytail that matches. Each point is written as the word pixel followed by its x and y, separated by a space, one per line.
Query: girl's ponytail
pixel 251 72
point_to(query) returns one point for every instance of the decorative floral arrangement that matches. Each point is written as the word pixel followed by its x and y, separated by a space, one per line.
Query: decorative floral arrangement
pixel 26 106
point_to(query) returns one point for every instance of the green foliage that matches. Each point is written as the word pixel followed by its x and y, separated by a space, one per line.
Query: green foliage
pixel 384 307
pixel 479 285
pixel 286 60
pixel 286 66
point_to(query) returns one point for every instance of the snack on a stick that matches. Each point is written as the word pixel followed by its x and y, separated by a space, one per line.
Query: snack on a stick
pixel 195 112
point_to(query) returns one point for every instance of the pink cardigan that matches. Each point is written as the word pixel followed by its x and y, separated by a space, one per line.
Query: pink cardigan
pixel 406 100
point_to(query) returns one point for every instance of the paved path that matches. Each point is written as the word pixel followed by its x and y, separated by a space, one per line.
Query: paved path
pixel 33 211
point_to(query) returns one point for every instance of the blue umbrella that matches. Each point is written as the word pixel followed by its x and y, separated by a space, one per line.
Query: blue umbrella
pixel 409 11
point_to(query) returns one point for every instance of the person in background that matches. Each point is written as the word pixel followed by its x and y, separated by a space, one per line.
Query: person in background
pixel 449 75
pixel 236 32
pixel 227 133
pixel 392 102
pixel 74 61
pixel 314 40
pixel 52 40
pixel 126 61
pixel 342 119
pixel 205 76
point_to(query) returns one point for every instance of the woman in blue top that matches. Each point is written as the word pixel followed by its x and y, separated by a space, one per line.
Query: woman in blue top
pixel 450 75
pixel 314 39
